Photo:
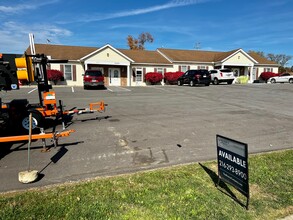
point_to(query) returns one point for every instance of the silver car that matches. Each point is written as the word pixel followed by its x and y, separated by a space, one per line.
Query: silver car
pixel 283 78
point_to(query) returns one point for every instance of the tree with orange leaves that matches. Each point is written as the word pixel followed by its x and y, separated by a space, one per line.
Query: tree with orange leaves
pixel 138 43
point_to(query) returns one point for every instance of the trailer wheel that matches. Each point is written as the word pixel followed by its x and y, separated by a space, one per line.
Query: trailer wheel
pixel 37 121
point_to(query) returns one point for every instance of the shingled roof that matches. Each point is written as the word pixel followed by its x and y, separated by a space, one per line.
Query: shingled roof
pixel 261 60
pixel 222 55
pixel 143 56
pixel 206 56
pixel 63 52
pixel 189 55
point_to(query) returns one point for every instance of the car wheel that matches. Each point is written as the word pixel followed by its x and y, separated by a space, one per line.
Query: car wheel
pixel 290 81
pixel 179 83
pixel 207 84
pixel 37 121
pixel 216 81
pixel 191 83
pixel 273 81
pixel 230 82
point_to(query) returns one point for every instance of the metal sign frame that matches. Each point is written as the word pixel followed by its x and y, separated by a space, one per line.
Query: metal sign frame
pixel 233 164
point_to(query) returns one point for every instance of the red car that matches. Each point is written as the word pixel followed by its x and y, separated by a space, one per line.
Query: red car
pixel 93 78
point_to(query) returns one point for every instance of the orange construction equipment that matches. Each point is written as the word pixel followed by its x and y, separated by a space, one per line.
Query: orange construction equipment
pixel 33 68
pixel 53 136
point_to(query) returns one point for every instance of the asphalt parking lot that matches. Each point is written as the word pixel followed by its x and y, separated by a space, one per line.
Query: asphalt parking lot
pixel 149 127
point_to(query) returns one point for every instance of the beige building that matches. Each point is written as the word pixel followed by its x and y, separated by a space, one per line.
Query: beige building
pixel 122 67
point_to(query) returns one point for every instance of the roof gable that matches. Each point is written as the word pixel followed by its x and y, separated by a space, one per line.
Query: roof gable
pixel 238 56
pixel 107 46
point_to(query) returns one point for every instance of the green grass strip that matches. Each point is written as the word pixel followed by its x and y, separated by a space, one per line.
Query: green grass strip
pixel 180 192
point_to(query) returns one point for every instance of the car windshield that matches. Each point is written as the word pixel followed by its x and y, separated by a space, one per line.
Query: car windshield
pixel 93 73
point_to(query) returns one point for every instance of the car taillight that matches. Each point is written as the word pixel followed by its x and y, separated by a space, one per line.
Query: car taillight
pixel 197 76
pixel 221 74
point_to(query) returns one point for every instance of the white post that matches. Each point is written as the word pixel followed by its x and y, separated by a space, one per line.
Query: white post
pixel 32 44
pixel 252 73
pixel 128 76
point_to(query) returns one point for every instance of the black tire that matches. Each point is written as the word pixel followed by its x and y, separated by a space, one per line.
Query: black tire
pixel 179 83
pixel 216 81
pixel 273 81
pixel 230 82
pixel 191 83
pixel 37 121
pixel 291 80
pixel 207 84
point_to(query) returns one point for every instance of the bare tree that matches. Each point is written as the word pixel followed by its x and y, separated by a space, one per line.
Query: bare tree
pixel 138 44
pixel 281 59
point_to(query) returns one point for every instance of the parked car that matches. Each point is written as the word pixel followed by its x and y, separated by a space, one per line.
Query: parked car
pixel 283 78
pixel 265 76
pixel 93 78
pixel 222 75
pixel 193 77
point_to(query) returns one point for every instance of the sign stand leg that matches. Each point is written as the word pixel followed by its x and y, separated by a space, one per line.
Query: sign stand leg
pixel 28 176
pixel 247 203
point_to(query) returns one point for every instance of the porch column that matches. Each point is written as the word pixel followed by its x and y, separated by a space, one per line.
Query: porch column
pixel 252 74
pixel 128 76
pixel 85 65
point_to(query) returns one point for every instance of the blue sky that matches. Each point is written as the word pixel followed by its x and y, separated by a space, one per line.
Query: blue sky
pixel 215 25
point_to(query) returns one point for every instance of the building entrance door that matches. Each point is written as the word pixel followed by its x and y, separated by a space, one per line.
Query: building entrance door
pixel 236 72
pixel 114 77
pixel 139 77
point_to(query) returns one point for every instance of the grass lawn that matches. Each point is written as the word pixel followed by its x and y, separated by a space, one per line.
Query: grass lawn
pixel 180 192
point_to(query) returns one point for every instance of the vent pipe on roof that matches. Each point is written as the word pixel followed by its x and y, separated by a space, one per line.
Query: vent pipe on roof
pixel 197 46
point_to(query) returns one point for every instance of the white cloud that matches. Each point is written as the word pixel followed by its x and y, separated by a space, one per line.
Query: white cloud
pixel 170 4
pixel 15 39
pixel 29 5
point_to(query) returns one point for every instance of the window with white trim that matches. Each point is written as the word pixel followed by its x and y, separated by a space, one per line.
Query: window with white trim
pixel 268 69
pixel 139 75
pixel 160 70
pixel 203 67
pixel 184 69
pixel 68 72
